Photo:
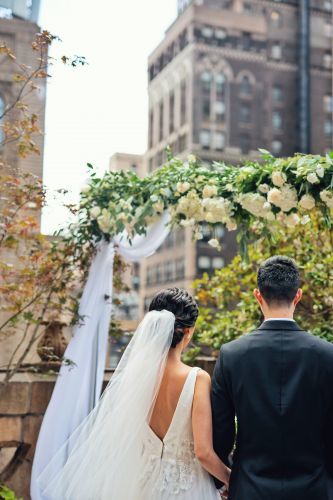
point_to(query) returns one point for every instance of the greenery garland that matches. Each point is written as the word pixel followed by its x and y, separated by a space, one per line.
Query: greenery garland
pixel 269 192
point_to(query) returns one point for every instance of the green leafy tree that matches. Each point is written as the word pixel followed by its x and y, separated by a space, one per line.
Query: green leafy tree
pixel 228 308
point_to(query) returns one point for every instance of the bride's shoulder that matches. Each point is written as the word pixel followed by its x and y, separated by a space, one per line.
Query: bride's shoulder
pixel 203 377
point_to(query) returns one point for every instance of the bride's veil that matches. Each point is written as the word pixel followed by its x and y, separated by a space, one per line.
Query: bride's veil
pixel 102 458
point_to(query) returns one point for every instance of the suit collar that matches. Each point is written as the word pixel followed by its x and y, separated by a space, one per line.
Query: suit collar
pixel 280 324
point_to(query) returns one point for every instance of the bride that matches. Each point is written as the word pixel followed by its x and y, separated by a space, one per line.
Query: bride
pixel 150 436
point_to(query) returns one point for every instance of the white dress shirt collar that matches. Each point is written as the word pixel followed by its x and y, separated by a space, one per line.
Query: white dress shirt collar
pixel 280 319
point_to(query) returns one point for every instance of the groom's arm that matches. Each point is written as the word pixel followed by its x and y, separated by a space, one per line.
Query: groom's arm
pixel 329 452
pixel 223 415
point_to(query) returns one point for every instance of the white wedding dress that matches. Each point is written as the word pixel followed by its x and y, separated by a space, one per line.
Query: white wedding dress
pixel 171 469
pixel 114 454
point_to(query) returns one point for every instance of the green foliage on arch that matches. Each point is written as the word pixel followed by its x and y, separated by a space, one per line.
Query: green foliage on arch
pixel 273 192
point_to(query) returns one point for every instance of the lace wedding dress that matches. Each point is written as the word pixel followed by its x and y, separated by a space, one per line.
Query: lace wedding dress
pixel 171 469
pixel 114 454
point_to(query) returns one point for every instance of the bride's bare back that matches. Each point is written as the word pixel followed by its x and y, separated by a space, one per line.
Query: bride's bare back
pixel 171 387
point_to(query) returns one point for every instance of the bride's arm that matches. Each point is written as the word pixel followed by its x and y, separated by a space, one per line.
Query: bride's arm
pixel 203 430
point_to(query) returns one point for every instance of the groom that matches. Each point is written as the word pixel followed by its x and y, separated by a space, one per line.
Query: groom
pixel 278 382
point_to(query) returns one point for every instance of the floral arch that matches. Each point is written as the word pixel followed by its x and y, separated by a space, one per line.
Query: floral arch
pixel 271 191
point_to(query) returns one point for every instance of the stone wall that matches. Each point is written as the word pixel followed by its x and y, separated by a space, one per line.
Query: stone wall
pixel 22 406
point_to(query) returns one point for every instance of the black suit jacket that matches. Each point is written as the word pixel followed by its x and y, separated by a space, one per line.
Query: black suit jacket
pixel 278 382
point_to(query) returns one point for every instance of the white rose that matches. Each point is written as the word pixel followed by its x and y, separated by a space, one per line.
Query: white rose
pixel 138 211
pixel 263 188
pixel 191 159
pixel 312 178
pixel 307 201
pixel 327 197
pixel 284 198
pixel 267 205
pixel 305 219
pixel 231 225
pixel 210 217
pixel 214 243
pixel 320 171
pixel 187 222
pixel 104 221
pixel 198 235
pixel 94 212
pixel 182 187
pixel 270 216
pixel 278 179
pixel 32 204
pixel 86 188
pixel 158 207
pixel 292 220
pixel 229 187
pixel 274 196
pixel 209 191
pixel 154 198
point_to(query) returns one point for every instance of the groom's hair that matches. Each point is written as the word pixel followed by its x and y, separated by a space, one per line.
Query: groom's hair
pixel 181 304
pixel 278 280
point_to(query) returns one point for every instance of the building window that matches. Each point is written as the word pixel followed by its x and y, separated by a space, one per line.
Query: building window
pixel 161 125
pixel 168 270
pixel 328 128
pixel 219 231
pixel 277 93
pixel 328 103
pixel 219 141
pixel 183 107
pixel 207 32
pixel 182 143
pixel 245 113
pixel 276 120
pixel 276 51
pixel 327 5
pixel 248 8
pixel 171 112
pixel 327 60
pixel 276 146
pixel 151 128
pixel 220 34
pixel 217 262
pixel 206 107
pixel 219 107
pixel 180 268
pixel 220 83
pixel 159 159
pixel 204 262
pixel 206 79
pixel 2 111
pixel 205 139
pixel 276 19
pixel 180 237
pixel 245 144
pixel 245 86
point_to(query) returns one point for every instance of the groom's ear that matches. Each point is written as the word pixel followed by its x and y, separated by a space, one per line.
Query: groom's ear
pixel 258 296
pixel 298 296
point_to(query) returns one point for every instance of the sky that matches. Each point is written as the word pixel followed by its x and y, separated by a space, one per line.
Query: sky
pixel 99 109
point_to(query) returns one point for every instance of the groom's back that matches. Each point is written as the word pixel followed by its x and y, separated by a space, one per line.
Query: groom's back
pixel 280 380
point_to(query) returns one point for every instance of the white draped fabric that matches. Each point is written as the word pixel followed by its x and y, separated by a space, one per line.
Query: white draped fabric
pixel 78 387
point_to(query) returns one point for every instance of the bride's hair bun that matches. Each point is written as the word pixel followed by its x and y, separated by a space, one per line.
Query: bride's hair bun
pixel 181 304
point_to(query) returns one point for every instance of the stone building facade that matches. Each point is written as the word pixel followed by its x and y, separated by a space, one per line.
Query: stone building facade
pixel 228 78
pixel 18 34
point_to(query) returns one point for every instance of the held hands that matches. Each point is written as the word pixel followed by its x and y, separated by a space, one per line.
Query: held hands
pixel 225 489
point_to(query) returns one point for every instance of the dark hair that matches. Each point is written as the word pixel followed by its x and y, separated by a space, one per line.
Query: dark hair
pixel 278 280
pixel 181 304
